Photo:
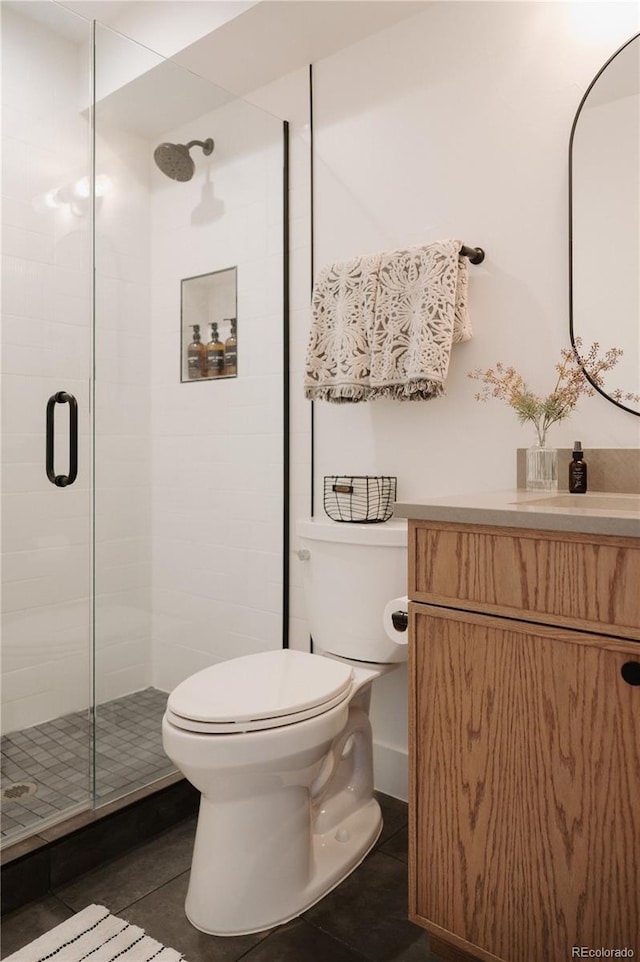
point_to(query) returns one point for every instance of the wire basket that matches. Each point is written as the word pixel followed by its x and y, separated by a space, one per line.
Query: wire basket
pixel 359 498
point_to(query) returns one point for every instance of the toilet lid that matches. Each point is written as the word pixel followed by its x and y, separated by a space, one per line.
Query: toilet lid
pixel 259 691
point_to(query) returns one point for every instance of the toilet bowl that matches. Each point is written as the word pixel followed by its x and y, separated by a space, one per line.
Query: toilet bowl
pixel 279 745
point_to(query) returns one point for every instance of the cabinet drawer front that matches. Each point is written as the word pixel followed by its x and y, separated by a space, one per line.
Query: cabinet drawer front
pixel 541 576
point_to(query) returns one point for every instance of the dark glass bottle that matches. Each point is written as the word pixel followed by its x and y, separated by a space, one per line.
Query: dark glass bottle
pixel 231 351
pixel 215 354
pixel 577 471
pixel 196 356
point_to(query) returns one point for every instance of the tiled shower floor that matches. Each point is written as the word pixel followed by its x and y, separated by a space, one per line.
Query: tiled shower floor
pixel 54 761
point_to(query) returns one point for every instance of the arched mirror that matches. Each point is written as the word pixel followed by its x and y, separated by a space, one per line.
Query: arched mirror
pixel 604 212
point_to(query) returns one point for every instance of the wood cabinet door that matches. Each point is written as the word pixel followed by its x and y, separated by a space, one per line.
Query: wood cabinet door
pixel 525 787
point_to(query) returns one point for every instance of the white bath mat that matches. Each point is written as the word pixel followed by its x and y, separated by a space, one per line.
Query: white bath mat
pixel 97 936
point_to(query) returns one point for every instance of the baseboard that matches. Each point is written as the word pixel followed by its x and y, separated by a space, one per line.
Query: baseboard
pixel 391 766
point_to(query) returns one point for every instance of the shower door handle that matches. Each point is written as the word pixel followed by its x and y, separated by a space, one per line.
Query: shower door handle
pixel 62 480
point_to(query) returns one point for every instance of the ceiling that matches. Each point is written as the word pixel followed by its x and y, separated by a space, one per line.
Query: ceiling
pixel 253 44
pixel 107 11
pixel 240 45
pixel 276 37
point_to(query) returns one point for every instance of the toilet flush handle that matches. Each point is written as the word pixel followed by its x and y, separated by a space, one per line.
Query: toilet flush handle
pixel 303 554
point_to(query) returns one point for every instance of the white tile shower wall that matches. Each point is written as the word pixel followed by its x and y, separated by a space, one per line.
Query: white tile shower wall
pixel 455 123
pixel 217 445
pixel 123 416
pixel 45 348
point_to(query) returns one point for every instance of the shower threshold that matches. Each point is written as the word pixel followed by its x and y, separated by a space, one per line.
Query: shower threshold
pixel 45 776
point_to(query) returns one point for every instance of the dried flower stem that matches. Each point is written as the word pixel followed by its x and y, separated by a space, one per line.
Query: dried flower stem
pixel 507 385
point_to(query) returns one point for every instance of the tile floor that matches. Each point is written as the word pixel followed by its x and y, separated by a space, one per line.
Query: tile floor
pixel 54 761
pixel 363 920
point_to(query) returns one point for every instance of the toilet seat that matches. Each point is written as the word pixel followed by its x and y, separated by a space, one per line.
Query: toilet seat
pixel 259 692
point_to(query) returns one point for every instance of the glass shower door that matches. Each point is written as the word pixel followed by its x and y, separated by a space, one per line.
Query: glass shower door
pixel 143 503
pixel 46 438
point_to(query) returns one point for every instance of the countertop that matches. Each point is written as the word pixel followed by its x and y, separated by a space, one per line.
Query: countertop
pixel 591 513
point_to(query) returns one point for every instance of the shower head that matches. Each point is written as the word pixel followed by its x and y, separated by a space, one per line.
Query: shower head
pixel 175 161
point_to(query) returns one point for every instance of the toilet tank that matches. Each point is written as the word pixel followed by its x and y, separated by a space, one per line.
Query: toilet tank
pixel 352 571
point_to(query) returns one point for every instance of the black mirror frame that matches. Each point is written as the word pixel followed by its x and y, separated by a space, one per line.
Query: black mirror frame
pixel 597 387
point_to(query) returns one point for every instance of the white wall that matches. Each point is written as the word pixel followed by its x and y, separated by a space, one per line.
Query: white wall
pixel 288 98
pixel 455 123
pixel 45 348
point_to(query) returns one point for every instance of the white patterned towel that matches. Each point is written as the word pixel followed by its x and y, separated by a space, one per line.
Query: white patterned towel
pixel 383 324
pixel 420 311
pixel 339 355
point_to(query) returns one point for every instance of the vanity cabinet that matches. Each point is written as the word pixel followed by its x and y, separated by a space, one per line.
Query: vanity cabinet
pixel 524 741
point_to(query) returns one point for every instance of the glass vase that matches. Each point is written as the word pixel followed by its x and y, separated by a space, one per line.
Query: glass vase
pixel 541 468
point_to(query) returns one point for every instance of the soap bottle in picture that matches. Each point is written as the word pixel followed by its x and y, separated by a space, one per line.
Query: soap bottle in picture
pixel 577 470
pixel 196 356
pixel 215 354
pixel 231 351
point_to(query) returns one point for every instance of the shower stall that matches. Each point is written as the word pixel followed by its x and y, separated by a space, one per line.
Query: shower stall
pixel 143 497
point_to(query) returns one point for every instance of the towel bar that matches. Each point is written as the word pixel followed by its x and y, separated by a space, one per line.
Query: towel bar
pixel 475 254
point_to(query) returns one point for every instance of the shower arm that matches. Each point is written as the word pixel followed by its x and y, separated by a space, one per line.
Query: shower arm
pixel 207 145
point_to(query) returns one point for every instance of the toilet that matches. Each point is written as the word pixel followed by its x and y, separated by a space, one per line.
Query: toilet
pixel 279 743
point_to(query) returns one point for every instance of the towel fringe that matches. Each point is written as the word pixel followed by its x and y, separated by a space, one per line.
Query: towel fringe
pixel 423 389
pixel 339 394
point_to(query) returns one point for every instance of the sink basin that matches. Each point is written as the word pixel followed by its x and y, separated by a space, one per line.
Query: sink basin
pixel 591 502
